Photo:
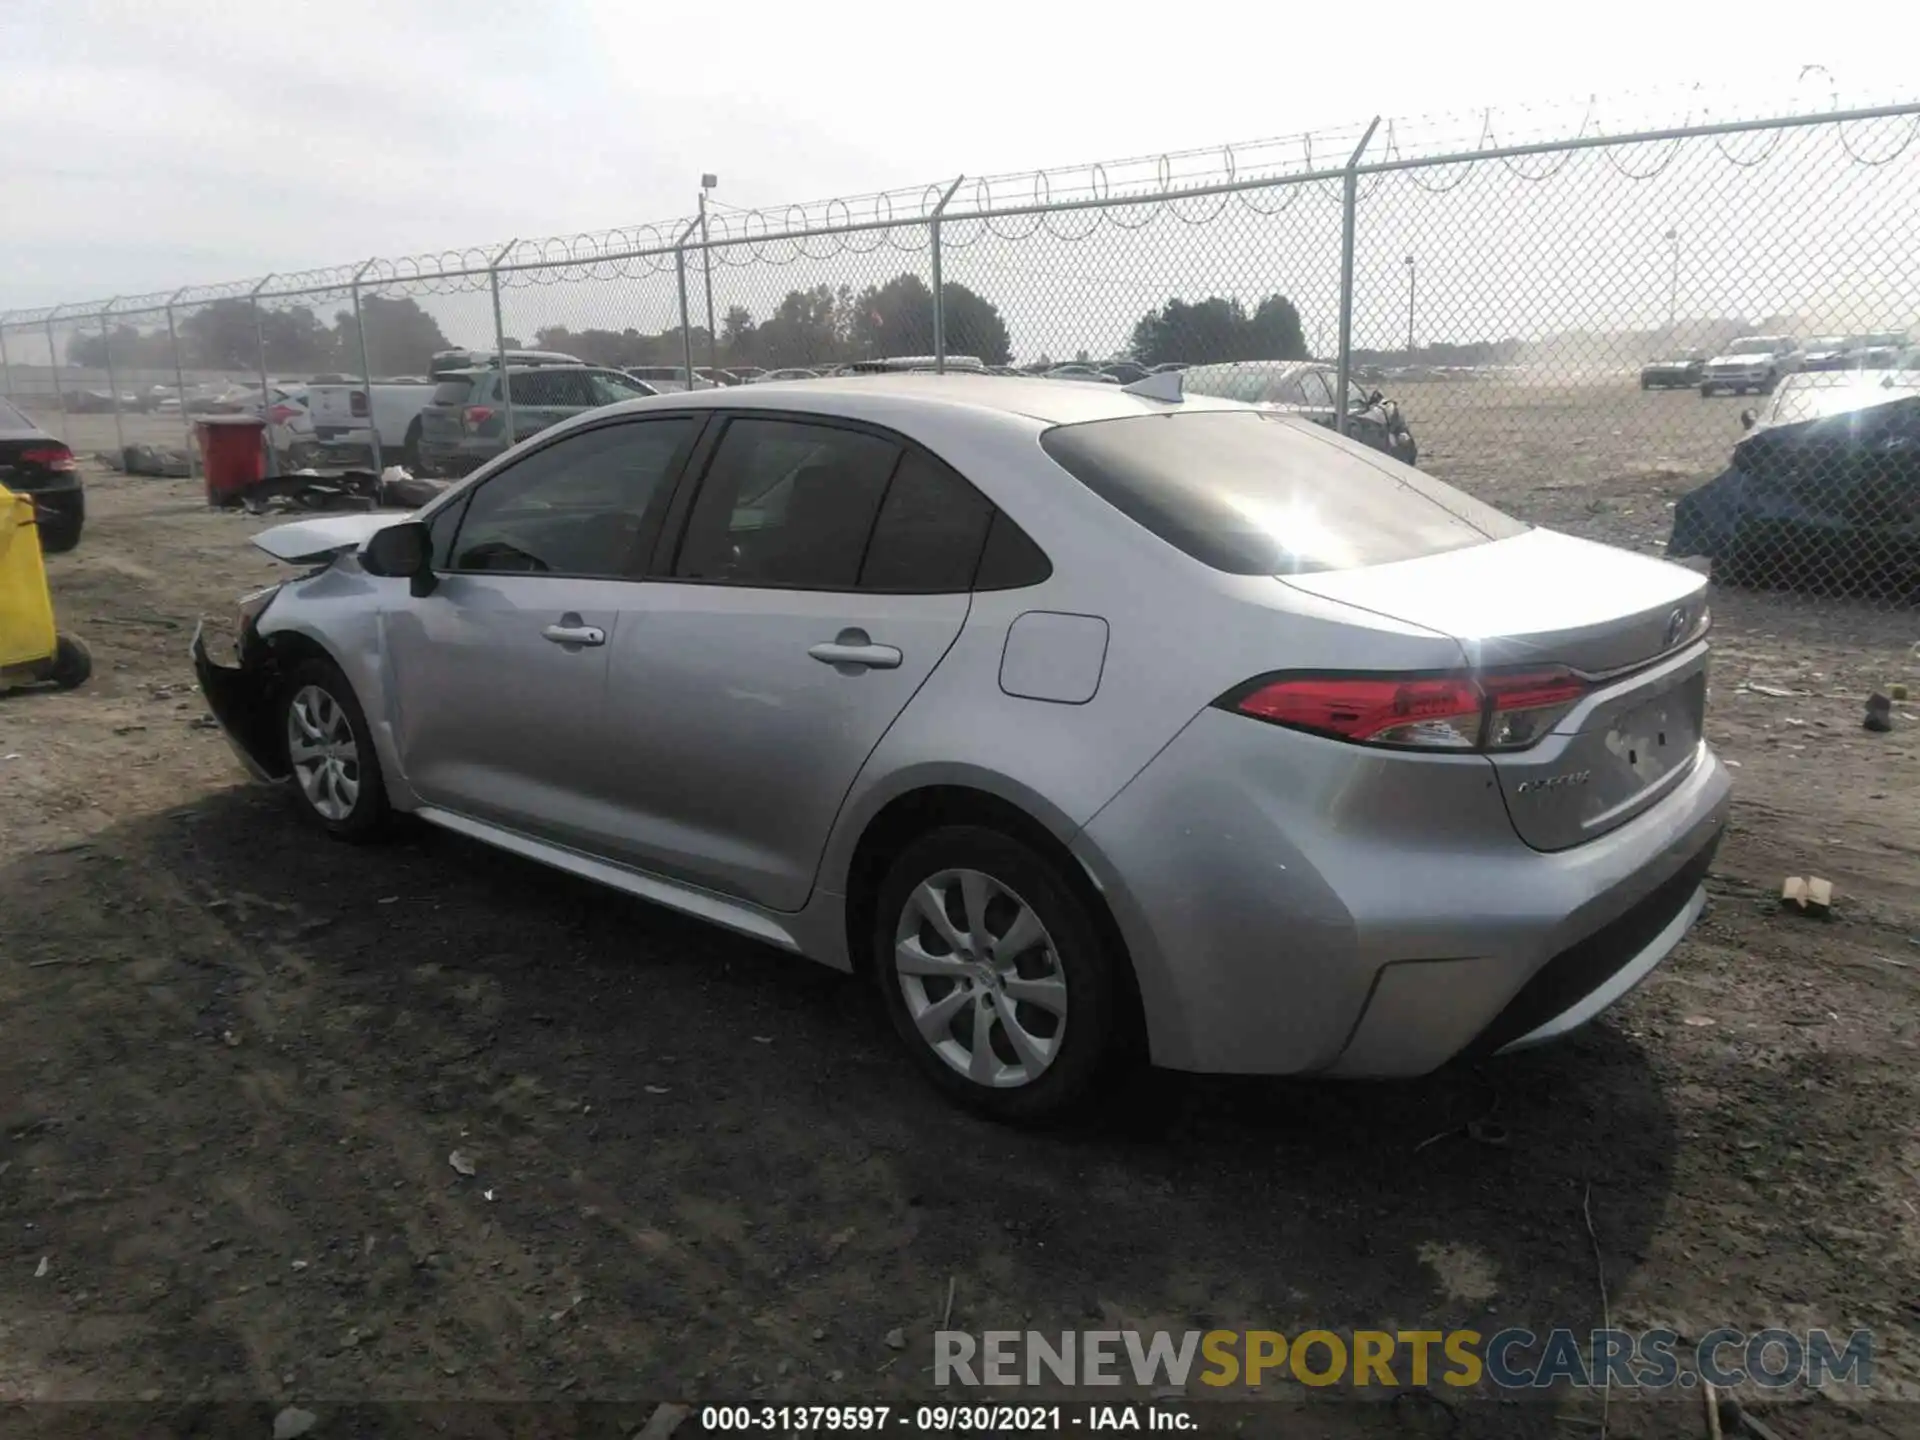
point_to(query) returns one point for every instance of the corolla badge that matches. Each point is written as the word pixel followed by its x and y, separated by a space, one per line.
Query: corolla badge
pixel 1554 782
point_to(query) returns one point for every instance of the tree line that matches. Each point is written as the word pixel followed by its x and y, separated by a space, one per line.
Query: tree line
pixel 819 325
pixel 401 339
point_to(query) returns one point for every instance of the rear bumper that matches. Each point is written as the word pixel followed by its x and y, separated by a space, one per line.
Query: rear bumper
pixel 1294 905
pixel 241 699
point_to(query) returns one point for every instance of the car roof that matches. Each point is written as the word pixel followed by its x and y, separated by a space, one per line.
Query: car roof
pixel 898 396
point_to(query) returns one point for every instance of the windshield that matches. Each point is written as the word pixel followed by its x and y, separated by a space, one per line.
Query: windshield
pixel 1829 342
pixel 1760 345
pixel 1259 493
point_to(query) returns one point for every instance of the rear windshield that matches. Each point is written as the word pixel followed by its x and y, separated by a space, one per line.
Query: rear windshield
pixel 451 392
pixel 1259 494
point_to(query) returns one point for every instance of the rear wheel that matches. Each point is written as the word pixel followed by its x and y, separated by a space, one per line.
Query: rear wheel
pixel 336 773
pixel 1706 391
pixel 410 450
pixel 59 534
pixel 71 664
pixel 997 979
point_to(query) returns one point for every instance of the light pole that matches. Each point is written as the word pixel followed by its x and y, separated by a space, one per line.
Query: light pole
pixel 1410 275
pixel 1673 287
pixel 707 182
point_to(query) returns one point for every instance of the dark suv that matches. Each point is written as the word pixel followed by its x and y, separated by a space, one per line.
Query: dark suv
pixel 34 464
pixel 464 425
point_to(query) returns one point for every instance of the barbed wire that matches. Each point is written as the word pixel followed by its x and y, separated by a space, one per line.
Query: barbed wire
pixel 1126 194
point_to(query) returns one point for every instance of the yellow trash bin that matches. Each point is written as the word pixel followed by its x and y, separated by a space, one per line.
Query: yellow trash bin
pixel 30 648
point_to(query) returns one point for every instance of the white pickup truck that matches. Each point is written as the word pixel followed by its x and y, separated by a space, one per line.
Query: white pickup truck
pixel 347 415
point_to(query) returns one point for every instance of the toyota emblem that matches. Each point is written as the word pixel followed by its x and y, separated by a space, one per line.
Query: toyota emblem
pixel 1676 627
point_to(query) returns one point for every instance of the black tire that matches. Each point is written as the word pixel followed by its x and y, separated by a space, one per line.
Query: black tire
pixel 367 815
pixel 1772 381
pixel 1645 383
pixel 410 450
pixel 71 664
pixel 1096 1041
pixel 1706 391
pixel 57 536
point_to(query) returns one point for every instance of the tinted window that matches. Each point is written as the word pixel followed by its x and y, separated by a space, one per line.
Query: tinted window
pixel 571 389
pixel 610 387
pixel 583 506
pixel 931 527
pixel 1011 560
pixel 451 392
pixel 1262 494
pixel 786 504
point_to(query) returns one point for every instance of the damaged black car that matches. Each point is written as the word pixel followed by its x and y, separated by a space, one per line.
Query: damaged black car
pixel 1823 494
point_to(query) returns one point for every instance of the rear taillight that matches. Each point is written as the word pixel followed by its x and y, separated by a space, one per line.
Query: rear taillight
pixel 50 457
pixel 478 415
pixel 1492 711
pixel 357 404
pixel 283 414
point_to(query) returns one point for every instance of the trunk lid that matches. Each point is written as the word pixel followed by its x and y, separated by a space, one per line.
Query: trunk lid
pixel 1631 625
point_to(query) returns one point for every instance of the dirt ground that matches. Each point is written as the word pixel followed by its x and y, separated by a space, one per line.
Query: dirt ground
pixel 234 1061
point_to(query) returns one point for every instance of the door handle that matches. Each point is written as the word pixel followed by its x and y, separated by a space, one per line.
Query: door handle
pixel 852 651
pixel 575 634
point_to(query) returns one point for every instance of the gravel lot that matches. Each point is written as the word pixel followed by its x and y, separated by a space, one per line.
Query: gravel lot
pixel 234 1061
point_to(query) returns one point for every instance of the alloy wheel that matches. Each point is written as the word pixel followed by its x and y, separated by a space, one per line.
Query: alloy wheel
pixel 981 977
pixel 323 753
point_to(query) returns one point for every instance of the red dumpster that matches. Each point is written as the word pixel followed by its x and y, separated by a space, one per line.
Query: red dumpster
pixel 233 455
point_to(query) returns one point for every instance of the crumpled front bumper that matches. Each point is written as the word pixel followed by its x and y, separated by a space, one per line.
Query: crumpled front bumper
pixel 241 699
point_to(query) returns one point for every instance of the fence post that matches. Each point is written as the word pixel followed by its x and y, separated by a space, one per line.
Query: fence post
pixel 939 289
pixel 113 384
pixel 1349 211
pixel 53 368
pixel 180 384
pixel 680 269
pixel 499 340
pixel 6 366
pixel 366 372
pixel 260 347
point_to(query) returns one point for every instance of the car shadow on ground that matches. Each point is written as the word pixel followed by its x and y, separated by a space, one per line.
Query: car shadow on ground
pixel 245 1033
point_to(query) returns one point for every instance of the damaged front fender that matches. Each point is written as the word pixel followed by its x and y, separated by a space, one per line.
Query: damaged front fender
pixel 241 697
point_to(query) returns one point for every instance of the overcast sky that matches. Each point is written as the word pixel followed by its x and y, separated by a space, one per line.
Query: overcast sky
pixel 145 145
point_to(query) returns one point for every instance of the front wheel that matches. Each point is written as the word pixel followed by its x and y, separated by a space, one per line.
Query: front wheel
pixel 410 450
pixel 1706 391
pixel 997 979
pixel 330 755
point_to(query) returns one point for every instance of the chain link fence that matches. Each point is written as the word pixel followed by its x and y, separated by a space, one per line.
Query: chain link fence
pixel 1682 334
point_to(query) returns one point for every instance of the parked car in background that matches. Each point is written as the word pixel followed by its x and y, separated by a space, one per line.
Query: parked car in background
pixel 1753 362
pixel 1882 349
pixel 1830 352
pixel 1676 372
pixel 347 414
pixel 1305 388
pixel 290 425
pixel 1087 727
pixel 1086 373
pixel 1125 371
pixel 748 374
pixel 903 364
pixel 1165 366
pixel 465 422
pixel 1820 492
pixel 35 464
pixel 792 372
pixel 667 379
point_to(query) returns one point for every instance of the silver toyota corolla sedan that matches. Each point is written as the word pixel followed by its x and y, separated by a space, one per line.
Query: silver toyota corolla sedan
pixel 1092 725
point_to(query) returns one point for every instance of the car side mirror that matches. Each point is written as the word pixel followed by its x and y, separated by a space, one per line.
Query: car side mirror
pixel 1747 419
pixel 403 550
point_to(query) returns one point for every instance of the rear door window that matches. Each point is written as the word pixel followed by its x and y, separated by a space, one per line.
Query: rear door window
pixel 929 533
pixel 786 504
pixel 1257 493
pixel 451 392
